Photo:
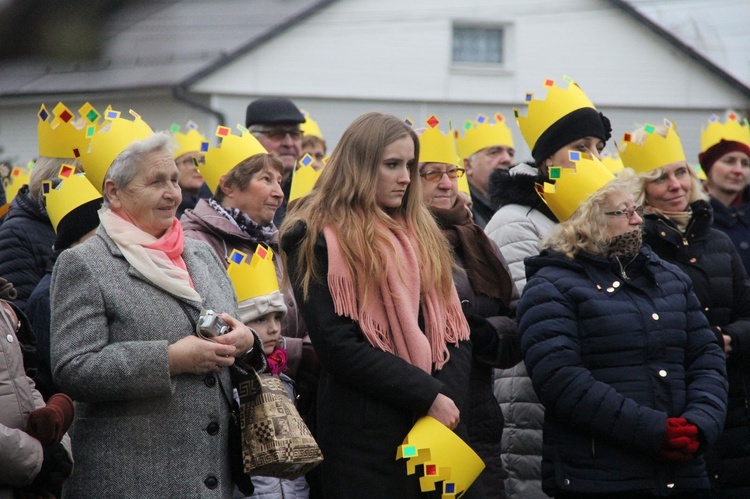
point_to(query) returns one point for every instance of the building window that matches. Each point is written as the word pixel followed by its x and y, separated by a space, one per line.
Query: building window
pixel 478 45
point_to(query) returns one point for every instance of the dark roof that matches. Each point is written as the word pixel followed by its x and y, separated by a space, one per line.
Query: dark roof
pixel 157 44
pixel 683 47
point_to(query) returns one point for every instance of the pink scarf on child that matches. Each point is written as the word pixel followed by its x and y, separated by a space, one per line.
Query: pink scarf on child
pixel 390 317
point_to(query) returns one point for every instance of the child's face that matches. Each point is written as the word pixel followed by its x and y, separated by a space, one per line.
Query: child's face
pixel 268 328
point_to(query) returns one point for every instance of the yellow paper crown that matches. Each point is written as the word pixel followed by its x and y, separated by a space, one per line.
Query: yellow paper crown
pixel 573 185
pixel 59 132
pixel 304 178
pixel 732 130
pixel 436 147
pixel 656 150
pixel 444 456
pixel 612 161
pixel 541 114
pixel 254 278
pixel 106 143
pixel 232 151
pixel 19 176
pixel 310 126
pixel 190 141
pixel 480 134
pixel 74 191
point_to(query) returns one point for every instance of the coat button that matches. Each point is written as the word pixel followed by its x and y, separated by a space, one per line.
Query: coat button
pixel 693 260
pixel 566 482
pixel 212 428
pixel 663 373
pixel 616 284
pixel 211 482
pixel 610 290
pixel 9 338
pixel 670 485
pixel 662 233
pixel 655 316
pixel 209 380
pixel 705 309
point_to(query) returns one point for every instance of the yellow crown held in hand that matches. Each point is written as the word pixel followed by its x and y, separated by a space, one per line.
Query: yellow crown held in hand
pixel 444 456
pixel 310 126
pixel 732 130
pixel 74 191
pixel 573 185
pixel 656 150
pixel 106 143
pixel 542 114
pixel 232 151
pixel 480 134
pixel 190 141
pixel 60 132
pixel 255 278
pixel 304 178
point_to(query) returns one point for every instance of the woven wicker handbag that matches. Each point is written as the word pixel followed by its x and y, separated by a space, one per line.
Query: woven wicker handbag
pixel 275 440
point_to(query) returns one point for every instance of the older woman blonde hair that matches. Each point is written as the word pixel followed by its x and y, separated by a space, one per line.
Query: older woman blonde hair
pixel 584 230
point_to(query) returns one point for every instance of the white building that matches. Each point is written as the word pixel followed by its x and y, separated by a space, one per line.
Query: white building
pixel 206 59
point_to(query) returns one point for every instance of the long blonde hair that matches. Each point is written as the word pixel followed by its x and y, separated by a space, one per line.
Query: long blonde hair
pixel 585 230
pixel 344 198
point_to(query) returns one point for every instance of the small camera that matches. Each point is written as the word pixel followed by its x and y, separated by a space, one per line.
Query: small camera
pixel 211 325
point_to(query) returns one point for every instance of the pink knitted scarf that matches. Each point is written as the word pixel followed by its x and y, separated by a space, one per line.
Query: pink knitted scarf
pixel 390 317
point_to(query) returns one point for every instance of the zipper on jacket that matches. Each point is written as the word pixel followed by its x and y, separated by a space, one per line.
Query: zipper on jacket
pixel 679 234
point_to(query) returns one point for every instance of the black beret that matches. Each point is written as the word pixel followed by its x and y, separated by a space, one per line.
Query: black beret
pixel 272 111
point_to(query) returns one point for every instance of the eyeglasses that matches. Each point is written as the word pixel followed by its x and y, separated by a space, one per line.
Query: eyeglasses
pixel 436 175
pixel 192 161
pixel 278 134
pixel 628 212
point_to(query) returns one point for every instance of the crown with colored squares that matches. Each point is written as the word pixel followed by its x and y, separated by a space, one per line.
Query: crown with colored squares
pixel 107 142
pixel 19 176
pixel 612 161
pixel 480 134
pixel 310 126
pixel 255 277
pixel 304 178
pixel 732 130
pixel 573 185
pixel 443 455
pixel 59 132
pixel 190 141
pixel 74 191
pixel 655 151
pixel 542 114
pixel 437 147
pixel 231 152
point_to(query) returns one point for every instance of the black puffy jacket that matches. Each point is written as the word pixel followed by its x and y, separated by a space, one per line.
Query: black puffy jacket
pixel 26 240
pixel 710 259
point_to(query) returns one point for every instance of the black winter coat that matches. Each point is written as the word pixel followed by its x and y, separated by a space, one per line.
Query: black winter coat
pixel 611 359
pixel 735 222
pixel 368 399
pixel 26 240
pixel 720 282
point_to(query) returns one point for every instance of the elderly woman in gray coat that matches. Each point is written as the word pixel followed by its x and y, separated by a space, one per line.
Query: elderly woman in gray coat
pixel 152 420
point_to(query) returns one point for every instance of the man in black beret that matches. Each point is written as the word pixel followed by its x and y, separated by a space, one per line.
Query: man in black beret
pixel 275 122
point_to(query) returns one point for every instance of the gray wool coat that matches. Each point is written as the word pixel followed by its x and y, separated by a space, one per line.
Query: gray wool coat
pixel 138 431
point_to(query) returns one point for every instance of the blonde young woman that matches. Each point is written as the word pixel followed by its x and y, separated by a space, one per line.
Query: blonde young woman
pixel 633 382
pixel 372 275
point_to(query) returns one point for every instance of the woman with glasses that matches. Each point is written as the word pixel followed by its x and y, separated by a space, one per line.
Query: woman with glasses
pixel 487 294
pixel 619 352
pixel 678 227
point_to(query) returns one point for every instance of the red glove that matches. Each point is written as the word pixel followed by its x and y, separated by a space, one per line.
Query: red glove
pixel 49 424
pixel 680 441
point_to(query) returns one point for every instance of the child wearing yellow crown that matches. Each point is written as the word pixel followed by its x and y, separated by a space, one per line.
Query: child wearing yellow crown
pixel 678 228
pixel 262 308
pixel 630 374
pixel 725 158
pixel 188 155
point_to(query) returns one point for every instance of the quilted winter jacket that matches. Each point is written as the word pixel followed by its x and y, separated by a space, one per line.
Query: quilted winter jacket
pixel 26 239
pixel 735 222
pixel 612 358
pixel 517 227
pixel 709 258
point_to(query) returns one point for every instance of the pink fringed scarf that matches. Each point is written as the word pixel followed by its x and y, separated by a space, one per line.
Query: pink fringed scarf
pixel 390 318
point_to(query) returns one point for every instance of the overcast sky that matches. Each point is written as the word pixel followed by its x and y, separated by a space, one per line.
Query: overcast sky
pixel 718 29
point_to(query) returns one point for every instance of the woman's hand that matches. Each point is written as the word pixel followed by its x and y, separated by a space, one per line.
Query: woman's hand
pixel 239 336
pixel 197 356
pixel 444 410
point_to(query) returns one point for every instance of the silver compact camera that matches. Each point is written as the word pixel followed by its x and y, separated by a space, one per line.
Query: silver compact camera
pixel 211 325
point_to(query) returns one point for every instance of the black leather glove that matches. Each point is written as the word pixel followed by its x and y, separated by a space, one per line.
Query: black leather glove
pixel 56 467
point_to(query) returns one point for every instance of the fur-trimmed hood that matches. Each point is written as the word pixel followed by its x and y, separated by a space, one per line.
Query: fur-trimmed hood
pixel 517 186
